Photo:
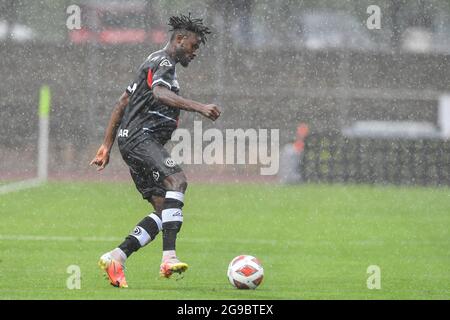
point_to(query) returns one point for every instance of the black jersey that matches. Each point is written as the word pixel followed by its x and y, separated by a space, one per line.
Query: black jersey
pixel 144 116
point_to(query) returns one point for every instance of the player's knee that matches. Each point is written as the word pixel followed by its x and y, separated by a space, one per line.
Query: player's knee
pixel 176 182
pixel 183 185
pixel 157 203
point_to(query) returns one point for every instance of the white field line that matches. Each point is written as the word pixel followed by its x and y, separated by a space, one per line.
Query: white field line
pixel 285 243
pixel 191 240
pixel 57 238
pixel 20 185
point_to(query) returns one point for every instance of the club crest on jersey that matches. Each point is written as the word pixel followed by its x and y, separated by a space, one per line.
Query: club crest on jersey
pixel 165 63
pixel 155 175
pixel 169 162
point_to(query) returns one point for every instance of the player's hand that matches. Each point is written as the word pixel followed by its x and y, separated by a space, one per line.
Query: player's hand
pixel 211 111
pixel 101 158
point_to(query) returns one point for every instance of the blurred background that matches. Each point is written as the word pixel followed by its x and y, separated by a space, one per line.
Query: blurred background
pixel 353 103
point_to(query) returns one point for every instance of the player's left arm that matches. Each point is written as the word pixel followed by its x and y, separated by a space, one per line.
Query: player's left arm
pixel 101 159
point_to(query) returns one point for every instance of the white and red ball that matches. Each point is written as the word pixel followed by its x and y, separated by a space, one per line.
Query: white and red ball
pixel 245 272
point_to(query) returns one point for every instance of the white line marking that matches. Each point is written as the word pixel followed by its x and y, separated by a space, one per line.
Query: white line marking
pixel 21 185
pixel 107 239
pixel 284 243
pixel 57 238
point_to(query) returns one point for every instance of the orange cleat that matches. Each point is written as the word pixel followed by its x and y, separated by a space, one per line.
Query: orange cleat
pixel 171 266
pixel 114 270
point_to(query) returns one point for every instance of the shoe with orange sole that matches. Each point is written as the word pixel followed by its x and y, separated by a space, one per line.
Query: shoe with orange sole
pixel 172 266
pixel 114 270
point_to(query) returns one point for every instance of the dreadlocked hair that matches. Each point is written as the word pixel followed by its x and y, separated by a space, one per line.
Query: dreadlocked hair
pixel 187 23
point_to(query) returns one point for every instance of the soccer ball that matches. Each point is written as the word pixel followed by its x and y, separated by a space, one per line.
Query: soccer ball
pixel 245 272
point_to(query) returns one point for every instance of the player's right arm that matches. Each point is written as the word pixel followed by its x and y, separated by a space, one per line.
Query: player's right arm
pixel 173 100
pixel 101 159
pixel 161 80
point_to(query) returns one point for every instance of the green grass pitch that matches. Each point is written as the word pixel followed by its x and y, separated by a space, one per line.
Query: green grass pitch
pixel 315 241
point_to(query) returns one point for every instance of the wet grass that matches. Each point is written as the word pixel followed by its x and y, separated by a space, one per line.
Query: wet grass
pixel 315 241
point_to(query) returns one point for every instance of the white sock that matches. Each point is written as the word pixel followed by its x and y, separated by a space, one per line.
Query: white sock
pixel 168 255
pixel 118 255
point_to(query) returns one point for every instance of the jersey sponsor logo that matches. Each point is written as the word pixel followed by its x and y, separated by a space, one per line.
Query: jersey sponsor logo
pixel 165 63
pixel 155 175
pixel 131 89
pixel 169 162
pixel 123 133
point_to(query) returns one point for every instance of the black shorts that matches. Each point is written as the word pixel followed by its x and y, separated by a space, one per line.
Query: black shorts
pixel 150 163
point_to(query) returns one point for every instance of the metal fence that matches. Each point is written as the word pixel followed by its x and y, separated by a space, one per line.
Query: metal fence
pixel 333 158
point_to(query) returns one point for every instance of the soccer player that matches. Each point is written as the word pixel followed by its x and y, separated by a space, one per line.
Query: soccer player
pixel 145 117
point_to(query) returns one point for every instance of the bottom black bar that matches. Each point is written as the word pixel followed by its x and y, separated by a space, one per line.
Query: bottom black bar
pixel 223 309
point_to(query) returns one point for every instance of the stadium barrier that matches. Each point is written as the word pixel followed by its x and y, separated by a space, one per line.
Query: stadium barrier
pixel 334 158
